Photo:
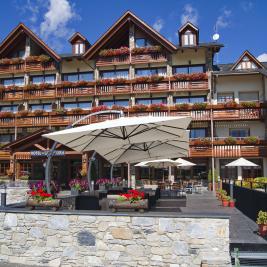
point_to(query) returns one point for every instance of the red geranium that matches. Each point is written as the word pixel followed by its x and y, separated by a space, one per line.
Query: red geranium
pixel 132 196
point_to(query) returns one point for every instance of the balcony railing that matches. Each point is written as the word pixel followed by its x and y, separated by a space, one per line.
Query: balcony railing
pixel 27 66
pixel 114 60
pixel 189 85
pixel 148 58
pixel 113 89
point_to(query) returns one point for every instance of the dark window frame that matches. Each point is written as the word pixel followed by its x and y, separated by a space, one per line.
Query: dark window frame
pixel 76 73
pixel 188 68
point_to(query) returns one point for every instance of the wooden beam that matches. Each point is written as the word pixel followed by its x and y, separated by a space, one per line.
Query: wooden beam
pixel 39 146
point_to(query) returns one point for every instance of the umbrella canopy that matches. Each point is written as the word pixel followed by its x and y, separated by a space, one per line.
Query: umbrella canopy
pixel 159 163
pixel 117 133
pixel 241 162
pixel 147 151
pixel 184 163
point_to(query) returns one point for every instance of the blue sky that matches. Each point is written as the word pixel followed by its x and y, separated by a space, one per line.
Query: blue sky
pixel 240 23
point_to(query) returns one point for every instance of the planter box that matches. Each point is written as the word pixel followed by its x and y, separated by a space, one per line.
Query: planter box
pixel 263 230
pixel 55 204
pixel 140 205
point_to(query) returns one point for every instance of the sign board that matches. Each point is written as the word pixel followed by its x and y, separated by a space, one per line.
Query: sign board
pixel 44 153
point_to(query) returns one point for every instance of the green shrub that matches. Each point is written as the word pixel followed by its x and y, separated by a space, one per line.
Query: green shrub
pixel 262 217
pixel 260 182
pixel 230 140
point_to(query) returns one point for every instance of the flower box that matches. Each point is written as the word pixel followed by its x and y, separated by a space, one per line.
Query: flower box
pixel 55 204
pixel 140 205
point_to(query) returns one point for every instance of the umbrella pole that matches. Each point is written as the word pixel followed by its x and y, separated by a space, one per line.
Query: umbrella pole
pixel 89 178
pixel 111 171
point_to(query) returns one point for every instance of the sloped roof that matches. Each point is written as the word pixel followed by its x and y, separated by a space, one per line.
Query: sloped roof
pixel 251 57
pixel 188 24
pixel 77 36
pixel 129 16
pixel 22 28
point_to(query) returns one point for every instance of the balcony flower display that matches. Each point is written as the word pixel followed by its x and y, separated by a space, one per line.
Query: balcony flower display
pixel 99 108
pixel 10 61
pixel 230 140
pixel 156 78
pixel 149 79
pixel 203 142
pixel 38 112
pixel 65 84
pixel 251 140
pixel 40 58
pixel 190 77
pixel 248 104
pixel 23 113
pixel 77 110
pixel 139 108
pixel 111 81
pixel 230 104
pixel 60 111
pixel 45 85
pixel 31 86
pixel 83 83
pixel 183 106
pixel 117 107
pixel 199 106
pixel 158 107
pixel 6 114
pixel 146 50
pixel 124 50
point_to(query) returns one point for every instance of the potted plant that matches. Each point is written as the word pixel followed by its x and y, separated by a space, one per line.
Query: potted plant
pixel 103 183
pixel 210 179
pixel 230 140
pixel 262 222
pixel 232 202
pixel 38 197
pixel 248 104
pixel 225 201
pixel 251 140
pixel 134 199
pixel 75 186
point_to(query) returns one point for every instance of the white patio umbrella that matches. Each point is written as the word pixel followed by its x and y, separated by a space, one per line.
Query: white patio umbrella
pixel 184 163
pixel 159 163
pixel 119 132
pixel 241 162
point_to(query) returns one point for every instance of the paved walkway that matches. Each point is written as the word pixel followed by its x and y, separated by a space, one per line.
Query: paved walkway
pixel 242 229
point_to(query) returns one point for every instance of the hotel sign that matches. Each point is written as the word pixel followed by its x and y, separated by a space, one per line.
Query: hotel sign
pixel 44 153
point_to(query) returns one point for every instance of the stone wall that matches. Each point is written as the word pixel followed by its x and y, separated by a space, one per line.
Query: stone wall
pixel 15 194
pixel 67 240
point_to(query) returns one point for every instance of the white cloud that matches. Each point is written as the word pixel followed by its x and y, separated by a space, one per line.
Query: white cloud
pixel 56 19
pixel 262 57
pixel 247 5
pixel 158 24
pixel 223 21
pixel 189 14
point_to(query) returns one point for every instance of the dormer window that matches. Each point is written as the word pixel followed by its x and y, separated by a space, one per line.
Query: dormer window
pixel 246 64
pixel 79 48
pixel 188 35
pixel 189 38
pixel 79 44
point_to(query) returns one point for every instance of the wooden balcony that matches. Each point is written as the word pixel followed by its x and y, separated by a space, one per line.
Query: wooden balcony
pixel 113 89
pixel 148 58
pixel 189 85
pixel 234 151
pixel 151 87
pixel 113 60
pixel 4 155
pixel 27 67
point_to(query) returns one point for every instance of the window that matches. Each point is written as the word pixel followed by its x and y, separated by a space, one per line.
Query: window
pixel 19 81
pixel 151 71
pixel 239 132
pixel 142 42
pixel 12 108
pixel 113 74
pixel 188 38
pixel 189 99
pixel 149 101
pixel 248 96
pixel 25 168
pixel 45 107
pixel 73 105
pixel 79 48
pixel 82 76
pixel 198 133
pixel 188 69
pixel 6 138
pixel 20 53
pixel 110 103
pixel 246 64
pixel 43 79
pixel 4 167
pixel 225 97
